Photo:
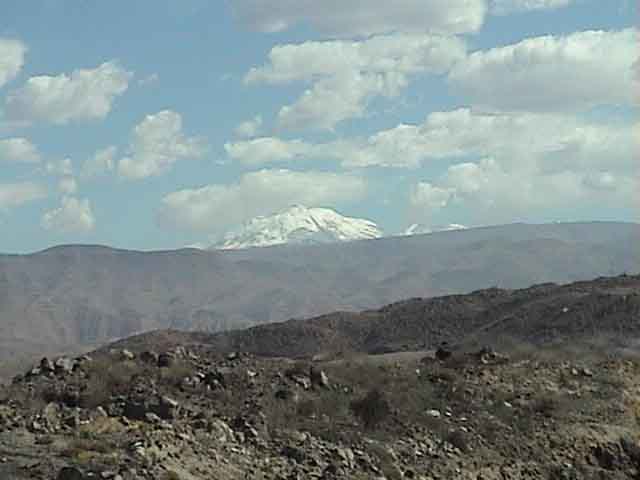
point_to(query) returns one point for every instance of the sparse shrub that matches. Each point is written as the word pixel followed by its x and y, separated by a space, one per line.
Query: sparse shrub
pixel 545 406
pixel 300 367
pixel 51 394
pixel 307 408
pixel 372 409
pixel 84 446
pixel 170 475
pixel 105 379
pixel 458 439
pixel 175 374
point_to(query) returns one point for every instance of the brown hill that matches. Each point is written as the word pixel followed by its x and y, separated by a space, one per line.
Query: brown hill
pixel 602 312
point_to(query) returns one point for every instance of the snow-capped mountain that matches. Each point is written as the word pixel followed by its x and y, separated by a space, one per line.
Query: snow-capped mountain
pixel 419 229
pixel 299 225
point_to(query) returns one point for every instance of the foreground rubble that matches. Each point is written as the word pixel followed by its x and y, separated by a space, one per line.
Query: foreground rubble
pixel 189 413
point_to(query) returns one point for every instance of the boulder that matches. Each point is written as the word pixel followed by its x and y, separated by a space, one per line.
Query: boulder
pixel 167 409
pixel 63 365
pixel 318 378
pixel 127 354
pixel 46 365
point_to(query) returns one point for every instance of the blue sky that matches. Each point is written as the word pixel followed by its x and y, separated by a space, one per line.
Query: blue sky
pixel 159 124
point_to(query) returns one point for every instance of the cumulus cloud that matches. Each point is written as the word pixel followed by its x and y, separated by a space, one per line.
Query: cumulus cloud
pixel 102 162
pixel 504 7
pixel 347 18
pixel 263 150
pixel 158 143
pixel 424 194
pixel 85 94
pixel 68 185
pixel 19 150
pixel 552 140
pixel 250 128
pixel 12 54
pixel 17 194
pixel 215 208
pixel 490 190
pixel 552 73
pixel 62 167
pixel 73 216
pixel 347 75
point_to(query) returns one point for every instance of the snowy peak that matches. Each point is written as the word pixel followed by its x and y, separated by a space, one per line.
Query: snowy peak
pixel 419 229
pixel 299 225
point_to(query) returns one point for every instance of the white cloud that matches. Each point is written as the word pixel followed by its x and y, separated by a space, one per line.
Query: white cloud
pixel 73 216
pixel 16 194
pixel 522 137
pixel 19 150
pixel 504 7
pixel 552 73
pixel 554 141
pixel 424 194
pixel 250 128
pixel 62 167
pixel 263 150
pixel 488 190
pixel 86 94
pixel 68 185
pixel 348 18
pixel 215 208
pixel 159 142
pixel 347 75
pixel 102 162
pixel 12 54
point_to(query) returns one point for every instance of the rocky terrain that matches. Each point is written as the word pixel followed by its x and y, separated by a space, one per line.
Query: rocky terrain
pixel 517 396
pixel 75 298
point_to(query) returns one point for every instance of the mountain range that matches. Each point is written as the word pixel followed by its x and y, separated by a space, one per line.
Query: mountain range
pixel 74 297
pixel 300 225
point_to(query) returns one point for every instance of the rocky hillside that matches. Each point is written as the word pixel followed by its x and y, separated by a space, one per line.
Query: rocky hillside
pixel 193 413
pixel 600 312
pixel 77 297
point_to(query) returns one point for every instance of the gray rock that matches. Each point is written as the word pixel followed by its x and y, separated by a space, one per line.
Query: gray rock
pixel 127 354
pixel 232 356
pixel 152 417
pixel 63 365
pixel 319 377
pixel 167 408
pixel 220 431
pixel 46 365
pixel 302 380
